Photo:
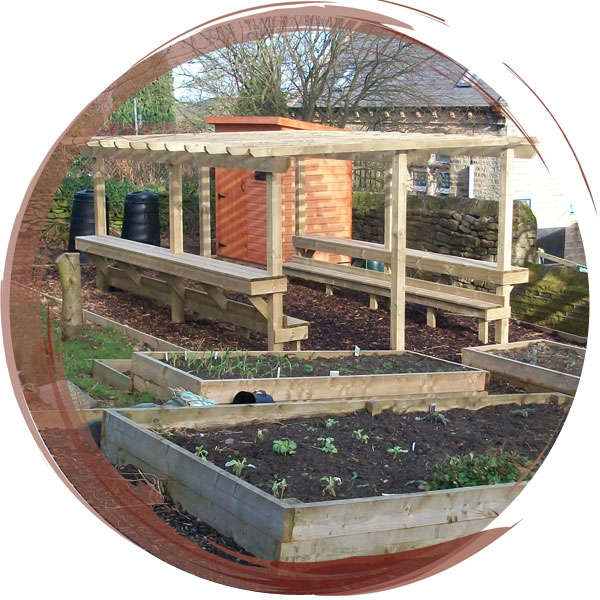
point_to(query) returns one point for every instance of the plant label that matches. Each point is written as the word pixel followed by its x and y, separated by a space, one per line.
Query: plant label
pixel 356 351
pixel 432 407
pixel 216 355
pixel 334 373
pixel 278 372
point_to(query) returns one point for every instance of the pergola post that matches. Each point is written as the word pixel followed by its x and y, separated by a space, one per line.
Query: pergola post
pixel 388 200
pixel 505 219
pixel 399 185
pixel 300 197
pixel 274 256
pixel 204 210
pixel 175 209
pixel 99 198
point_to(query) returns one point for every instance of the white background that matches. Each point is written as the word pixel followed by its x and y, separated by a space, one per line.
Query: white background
pixel 58 56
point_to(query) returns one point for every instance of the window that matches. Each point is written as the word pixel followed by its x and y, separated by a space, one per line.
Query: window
pixel 419 179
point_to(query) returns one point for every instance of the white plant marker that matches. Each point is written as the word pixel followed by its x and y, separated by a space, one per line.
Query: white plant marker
pixel 334 373
pixel 278 372
pixel 356 351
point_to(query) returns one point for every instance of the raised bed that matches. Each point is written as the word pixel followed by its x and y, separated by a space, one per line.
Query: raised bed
pixel 290 530
pixel 152 372
pixel 522 364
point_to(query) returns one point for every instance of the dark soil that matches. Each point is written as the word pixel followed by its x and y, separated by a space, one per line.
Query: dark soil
pixel 225 367
pixel 368 469
pixel 549 357
pixel 186 524
pixel 337 322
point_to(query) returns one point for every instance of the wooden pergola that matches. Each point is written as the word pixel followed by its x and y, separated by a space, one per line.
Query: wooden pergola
pixel 273 153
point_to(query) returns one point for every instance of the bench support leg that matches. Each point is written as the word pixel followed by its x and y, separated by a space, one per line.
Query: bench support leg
pixel 482 331
pixel 298 345
pixel 177 298
pixel 328 290
pixel 501 334
pixel 431 317
pixel 373 304
pixel 101 265
pixel 275 320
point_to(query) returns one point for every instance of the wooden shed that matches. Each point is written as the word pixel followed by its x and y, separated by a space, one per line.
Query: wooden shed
pixel 241 196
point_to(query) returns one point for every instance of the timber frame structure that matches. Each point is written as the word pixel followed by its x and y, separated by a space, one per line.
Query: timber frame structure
pixel 273 153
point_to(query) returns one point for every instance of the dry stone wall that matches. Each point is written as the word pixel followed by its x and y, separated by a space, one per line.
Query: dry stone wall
pixel 455 226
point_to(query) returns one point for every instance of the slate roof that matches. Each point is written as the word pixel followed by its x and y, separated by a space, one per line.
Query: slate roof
pixel 432 83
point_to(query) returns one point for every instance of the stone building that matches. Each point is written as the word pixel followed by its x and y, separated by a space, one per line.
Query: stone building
pixel 450 99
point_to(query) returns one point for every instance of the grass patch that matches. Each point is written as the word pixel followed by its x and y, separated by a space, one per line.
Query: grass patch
pixel 78 356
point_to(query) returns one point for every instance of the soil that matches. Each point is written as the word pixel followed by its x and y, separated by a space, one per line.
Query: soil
pixel 549 357
pixel 368 469
pixel 337 322
pixel 225 367
pixel 187 524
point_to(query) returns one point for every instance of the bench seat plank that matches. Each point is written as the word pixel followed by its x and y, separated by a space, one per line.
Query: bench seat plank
pixel 246 280
pixel 426 293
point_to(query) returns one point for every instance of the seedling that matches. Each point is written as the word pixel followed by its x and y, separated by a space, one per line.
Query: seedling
pixel 396 450
pixel 331 423
pixel 278 487
pixel 436 417
pixel 330 483
pixel 345 371
pixel 360 436
pixel 260 435
pixel 201 451
pixel 284 447
pixel 238 466
pixel 307 368
pixel 328 446
pixel 523 412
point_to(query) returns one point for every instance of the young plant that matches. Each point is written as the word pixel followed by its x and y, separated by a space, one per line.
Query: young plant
pixel 307 368
pixel 396 450
pixel 278 487
pixel 260 435
pixel 479 469
pixel 328 446
pixel 523 412
pixel 238 466
pixel 201 451
pixel 284 447
pixel 360 436
pixel 330 484
pixel 345 371
pixel 331 423
pixel 436 417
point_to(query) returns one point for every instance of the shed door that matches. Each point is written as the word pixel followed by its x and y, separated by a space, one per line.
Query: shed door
pixel 230 213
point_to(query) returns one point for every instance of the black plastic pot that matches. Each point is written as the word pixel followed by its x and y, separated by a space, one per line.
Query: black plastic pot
pixel 256 397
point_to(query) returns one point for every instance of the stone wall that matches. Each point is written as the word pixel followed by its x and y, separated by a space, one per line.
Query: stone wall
pixel 449 225
pixel 556 297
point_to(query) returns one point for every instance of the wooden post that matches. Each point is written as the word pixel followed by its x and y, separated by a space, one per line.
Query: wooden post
pixel 175 209
pixel 99 198
pixel 69 272
pixel 398 248
pixel 300 192
pixel 505 218
pixel 204 210
pixel 387 227
pixel 431 317
pixel 274 256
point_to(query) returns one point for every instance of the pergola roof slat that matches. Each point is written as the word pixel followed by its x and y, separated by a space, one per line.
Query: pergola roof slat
pixel 191 147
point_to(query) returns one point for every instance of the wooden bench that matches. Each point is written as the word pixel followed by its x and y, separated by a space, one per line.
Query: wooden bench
pixel 485 306
pixel 213 276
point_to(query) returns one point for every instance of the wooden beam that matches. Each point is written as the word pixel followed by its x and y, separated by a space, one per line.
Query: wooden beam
pixel 300 196
pixel 175 210
pixel 398 243
pixel 204 210
pixel 505 219
pixel 99 198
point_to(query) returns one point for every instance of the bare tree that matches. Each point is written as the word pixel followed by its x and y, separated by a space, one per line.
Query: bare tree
pixel 322 73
